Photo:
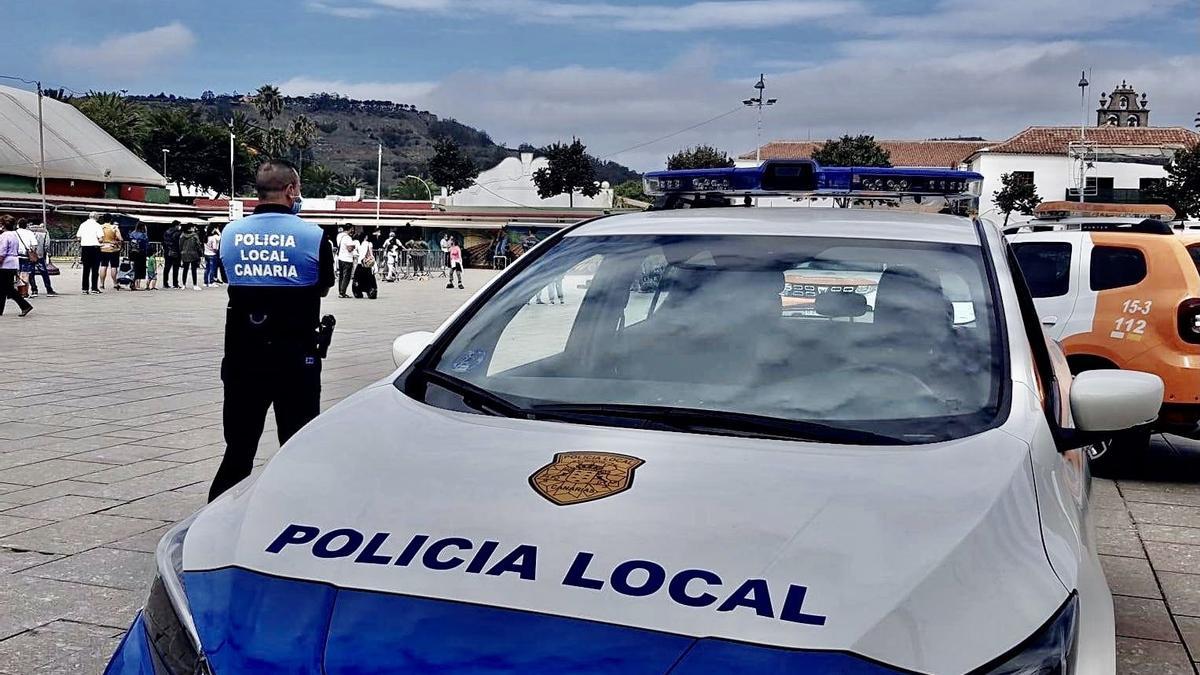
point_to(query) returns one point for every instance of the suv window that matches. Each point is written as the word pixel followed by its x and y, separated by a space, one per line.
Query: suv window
pixel 1114 267
pixel 1046 267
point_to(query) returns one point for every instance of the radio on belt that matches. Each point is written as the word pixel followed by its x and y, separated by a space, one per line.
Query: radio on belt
pixel 806 178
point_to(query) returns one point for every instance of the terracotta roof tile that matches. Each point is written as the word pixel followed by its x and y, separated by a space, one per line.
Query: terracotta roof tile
pixel 925 154
pixel 1055 140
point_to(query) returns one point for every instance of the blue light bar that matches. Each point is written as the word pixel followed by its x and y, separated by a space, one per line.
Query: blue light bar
pixel 805 178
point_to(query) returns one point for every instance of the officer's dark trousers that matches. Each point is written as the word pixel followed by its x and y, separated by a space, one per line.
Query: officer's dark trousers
pixel 295 391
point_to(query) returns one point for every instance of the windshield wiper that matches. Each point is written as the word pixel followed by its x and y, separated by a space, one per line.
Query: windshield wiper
pixel 719 422
pixel 475 397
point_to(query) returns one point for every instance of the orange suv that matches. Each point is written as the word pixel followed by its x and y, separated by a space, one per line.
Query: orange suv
pixel 1122 293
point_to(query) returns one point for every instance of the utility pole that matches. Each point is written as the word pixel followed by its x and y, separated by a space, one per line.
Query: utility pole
pixel 42 152
pixel 232 183
pixel 378 184
pixel 759 101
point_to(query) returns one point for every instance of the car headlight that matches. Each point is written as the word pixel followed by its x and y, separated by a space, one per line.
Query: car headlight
pixel 167 617
pixel 1050 651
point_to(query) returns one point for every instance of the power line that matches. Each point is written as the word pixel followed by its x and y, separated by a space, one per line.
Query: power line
pixel 674 133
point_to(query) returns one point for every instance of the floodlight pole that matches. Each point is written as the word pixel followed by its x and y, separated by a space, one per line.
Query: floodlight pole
pixel 42 152
pixel 232 182
pixel 759 102
pixel 1083 87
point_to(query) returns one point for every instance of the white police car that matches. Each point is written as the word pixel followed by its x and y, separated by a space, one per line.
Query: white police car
pixel 683 472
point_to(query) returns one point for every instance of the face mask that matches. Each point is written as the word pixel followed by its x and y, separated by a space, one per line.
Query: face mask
pixel 296 205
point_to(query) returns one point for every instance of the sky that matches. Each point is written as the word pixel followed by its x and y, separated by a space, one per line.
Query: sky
pixel 639 79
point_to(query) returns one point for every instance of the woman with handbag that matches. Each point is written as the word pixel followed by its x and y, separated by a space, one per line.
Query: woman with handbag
pixel 42 264
pixel 10 251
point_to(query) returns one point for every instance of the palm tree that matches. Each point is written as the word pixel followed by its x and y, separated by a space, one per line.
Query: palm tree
pixel 348 185
pixel 121 118
pixel 275 143
pixel 301 136
pixel 268 102
pixel 320 181
pixel 248 134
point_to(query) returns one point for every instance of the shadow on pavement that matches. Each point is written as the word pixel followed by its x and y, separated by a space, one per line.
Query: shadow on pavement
pixel 1170 459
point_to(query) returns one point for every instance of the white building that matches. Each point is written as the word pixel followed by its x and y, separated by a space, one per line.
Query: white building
pixel 510 183
pixel 1116 164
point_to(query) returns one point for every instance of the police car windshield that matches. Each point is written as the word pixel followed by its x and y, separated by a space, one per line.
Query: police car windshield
pixel 872 338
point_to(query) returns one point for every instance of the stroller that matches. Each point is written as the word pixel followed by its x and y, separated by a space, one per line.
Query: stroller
pixel 125 273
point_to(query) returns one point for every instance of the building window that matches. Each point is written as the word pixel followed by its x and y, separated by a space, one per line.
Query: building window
pixel 1124 102
pixel 1113 121
pixel 1133 121
pixel 1022 177
pixel 1115 267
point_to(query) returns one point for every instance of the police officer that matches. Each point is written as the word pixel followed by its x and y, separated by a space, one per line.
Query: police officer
pixel 278 268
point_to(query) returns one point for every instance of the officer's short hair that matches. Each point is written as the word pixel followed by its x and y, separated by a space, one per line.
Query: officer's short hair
pixel 274 175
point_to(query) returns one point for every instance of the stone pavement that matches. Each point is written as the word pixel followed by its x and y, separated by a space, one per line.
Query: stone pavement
pixel 110 431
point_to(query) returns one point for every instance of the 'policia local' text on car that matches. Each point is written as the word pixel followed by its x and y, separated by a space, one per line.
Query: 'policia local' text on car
pixel 680 473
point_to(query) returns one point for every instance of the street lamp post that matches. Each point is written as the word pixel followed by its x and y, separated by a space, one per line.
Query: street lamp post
pixel 232 184
pixel 42 153
pixel 166 151
pixel 760 101
pixel 428 189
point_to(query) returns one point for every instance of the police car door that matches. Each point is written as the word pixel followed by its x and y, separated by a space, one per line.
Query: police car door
pixel 1050 262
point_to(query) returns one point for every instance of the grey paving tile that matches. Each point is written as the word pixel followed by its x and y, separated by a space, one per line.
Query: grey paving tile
pixel 71 446
pixel 83 432
pixel 1189 626
pixel 1122 541
pixel 25 456
pixel 1182 591
pixel 173 506
pixel 1157 514
pixel 116 568
pixel 1167 533
pixel 32 495
pixel 1183 558
pixel 17 430
pixel 126 471
pixel 1136 618
pixel 1151 657
pixel 1163 497
pixel 199 454
pixel 33 601
pixel 122 453
pixel 56 646
pixel 78 534
pixel 1126 576
pixel 61 508
pixel 10 487
pixel 146 541
pixel 1111 518
pixel 186 439
pixel 15 560
pixel 13 524
pixel 48 471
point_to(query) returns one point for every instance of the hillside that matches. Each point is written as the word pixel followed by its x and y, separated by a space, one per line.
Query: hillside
pixel 349 132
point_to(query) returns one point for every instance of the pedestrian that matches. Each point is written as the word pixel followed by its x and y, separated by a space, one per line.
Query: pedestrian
pixel 391 257
pixel 151 272
pixel 171 255
pixel 347 254
pixel 89 234
pixel 456 264
pixel 190 253
pixel 529 241
pixel 42 264
pixel 364 269
pixel 139 249
pixel 418 250
pixel 500 250
pixel 212 245
pixel 10 265
pixel 110 251
pixel 220 279
pixel 444 245
pixel 27 252
pixel 272 351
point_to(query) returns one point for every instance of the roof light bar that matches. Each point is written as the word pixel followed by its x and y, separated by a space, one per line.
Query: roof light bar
pixel 805 178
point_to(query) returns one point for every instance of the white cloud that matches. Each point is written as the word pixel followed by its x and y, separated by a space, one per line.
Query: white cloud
pixel 1017 17
pixel 131 54
pixel 706 15
pixel 892 89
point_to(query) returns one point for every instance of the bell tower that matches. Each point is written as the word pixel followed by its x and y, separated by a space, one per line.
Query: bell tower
pixel 1122 108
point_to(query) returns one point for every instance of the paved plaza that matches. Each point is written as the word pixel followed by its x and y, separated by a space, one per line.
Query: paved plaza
pixel 110 430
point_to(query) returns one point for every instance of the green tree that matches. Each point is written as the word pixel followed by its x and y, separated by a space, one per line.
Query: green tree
pixel 121 118
pixel 1181 188
pixel 700 157
pixel 301 136
pixel 269 103
pixel 570 171
pixel 199 153
pixel 848 150
pixel 275 143
pixel 1016 194
pixel 450 167
pixel 411 188
pixel 632 189
pixel 319 180
pixel 348 185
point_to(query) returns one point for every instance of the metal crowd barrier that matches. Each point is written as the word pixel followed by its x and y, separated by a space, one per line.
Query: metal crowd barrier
pixel 69 249
pixel 412 264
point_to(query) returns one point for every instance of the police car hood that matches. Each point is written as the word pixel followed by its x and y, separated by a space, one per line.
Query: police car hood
pixel 922 557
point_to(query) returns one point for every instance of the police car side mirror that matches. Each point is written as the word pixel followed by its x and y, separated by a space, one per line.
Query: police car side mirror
pixel 1115 400
pixel 409 345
